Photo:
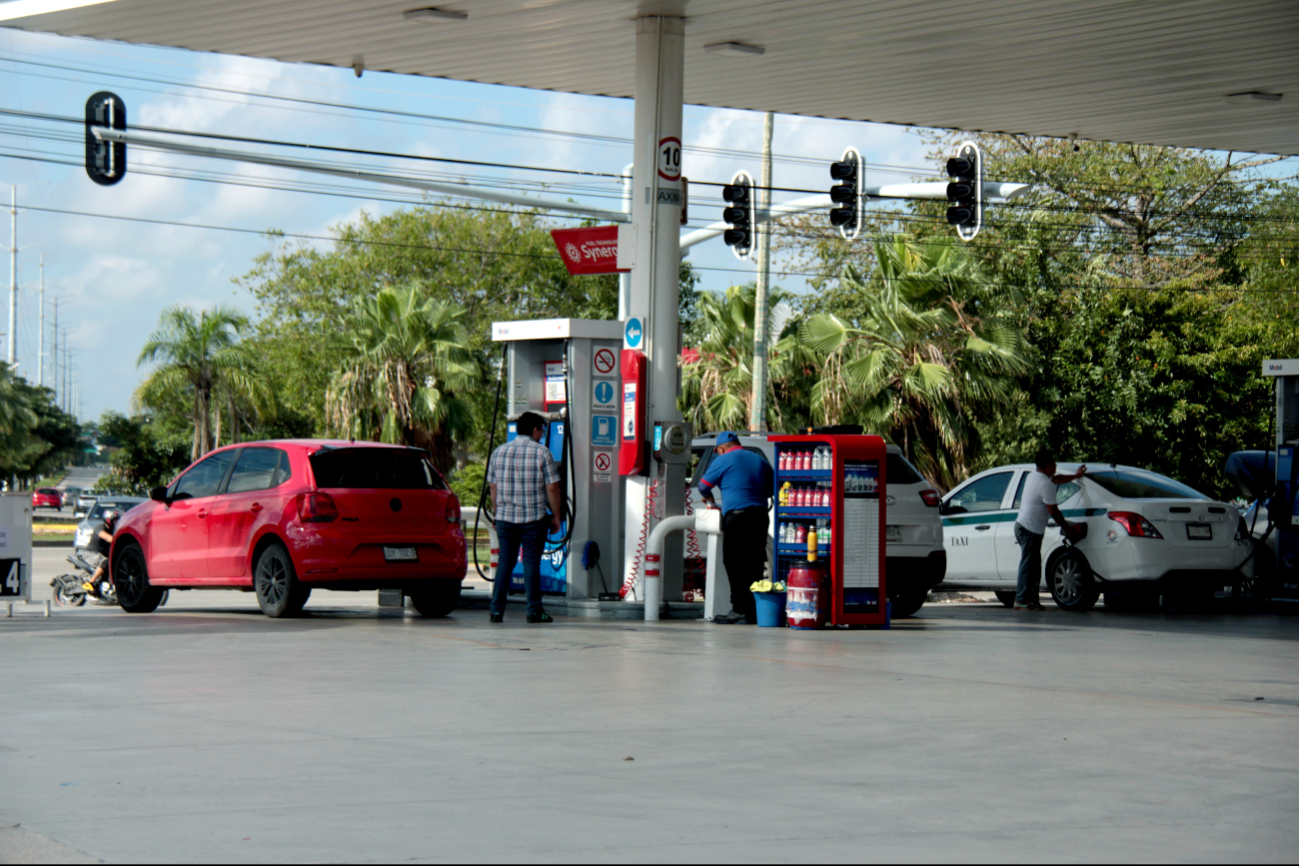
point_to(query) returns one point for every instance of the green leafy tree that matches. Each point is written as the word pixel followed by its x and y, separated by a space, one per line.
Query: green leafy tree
pixel 917 352
pixel 717 372
pixel 200 361
pixel 17 420
pixel 406 366
pixel 142 455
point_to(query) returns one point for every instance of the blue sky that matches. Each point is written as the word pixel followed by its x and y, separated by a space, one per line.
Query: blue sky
pixel 115 276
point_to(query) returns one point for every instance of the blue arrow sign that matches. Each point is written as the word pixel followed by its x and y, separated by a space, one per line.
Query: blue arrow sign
pixel 634 332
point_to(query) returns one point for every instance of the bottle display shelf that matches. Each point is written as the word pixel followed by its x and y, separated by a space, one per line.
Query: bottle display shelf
pixel 804 474
pixel 822 550
pixel 802 510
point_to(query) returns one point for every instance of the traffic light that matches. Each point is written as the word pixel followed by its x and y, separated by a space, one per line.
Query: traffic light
pixel 105 160
pixel 738 214
pixel 965 191
pixel 846 214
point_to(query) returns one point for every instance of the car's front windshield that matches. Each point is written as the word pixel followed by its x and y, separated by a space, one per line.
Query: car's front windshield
pixel 1142 484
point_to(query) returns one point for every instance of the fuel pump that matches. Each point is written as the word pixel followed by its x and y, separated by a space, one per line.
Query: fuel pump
pixel 1284 503
pixel 566 370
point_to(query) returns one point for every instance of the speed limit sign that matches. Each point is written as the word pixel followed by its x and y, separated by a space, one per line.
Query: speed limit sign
pixel 670 158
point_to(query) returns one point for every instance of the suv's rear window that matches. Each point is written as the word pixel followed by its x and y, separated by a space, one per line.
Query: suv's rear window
pixel 1141 484
pixel 900 471
pixel 386 468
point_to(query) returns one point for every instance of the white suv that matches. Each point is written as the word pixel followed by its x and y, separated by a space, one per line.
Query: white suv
pixel 915 559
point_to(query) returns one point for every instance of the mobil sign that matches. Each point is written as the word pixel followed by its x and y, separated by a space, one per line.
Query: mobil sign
pixel 592 250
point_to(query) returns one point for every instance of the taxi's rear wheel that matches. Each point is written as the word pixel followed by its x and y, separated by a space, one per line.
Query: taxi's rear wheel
pixel 436 598
pixel 1072 586
pixel 131 582
pixel 279 593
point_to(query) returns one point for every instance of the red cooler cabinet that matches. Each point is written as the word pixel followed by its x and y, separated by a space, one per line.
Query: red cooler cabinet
pixel 835 483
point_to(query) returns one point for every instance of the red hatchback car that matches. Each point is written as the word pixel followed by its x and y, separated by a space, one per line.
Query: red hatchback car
pixel 282 517
pixel 47 497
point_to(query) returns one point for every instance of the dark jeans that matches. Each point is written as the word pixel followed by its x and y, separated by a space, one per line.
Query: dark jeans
pixel 531 537
pixel 1030 565
pixel 744 553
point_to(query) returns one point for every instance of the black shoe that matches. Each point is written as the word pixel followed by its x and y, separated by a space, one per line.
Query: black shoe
pixel 731 618
pixel 498 617
pixel 540 617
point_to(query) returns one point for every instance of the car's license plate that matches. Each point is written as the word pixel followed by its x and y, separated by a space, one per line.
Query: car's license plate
pixel 400 554
pixel 1199 532
pixel 893 533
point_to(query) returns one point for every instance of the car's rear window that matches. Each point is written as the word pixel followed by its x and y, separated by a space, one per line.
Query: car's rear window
pixel 48 491
pixel 1141 484
pixel 386 468
pixel 900 471
pixel 102 507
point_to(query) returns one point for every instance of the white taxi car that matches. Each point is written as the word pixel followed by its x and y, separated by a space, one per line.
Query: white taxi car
pixel 1146 534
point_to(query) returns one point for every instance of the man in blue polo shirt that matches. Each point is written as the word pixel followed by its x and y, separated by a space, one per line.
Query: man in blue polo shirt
pixel 745 480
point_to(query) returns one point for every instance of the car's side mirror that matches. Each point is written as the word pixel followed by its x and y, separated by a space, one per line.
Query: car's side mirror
pixel 158 494
pixel 950 508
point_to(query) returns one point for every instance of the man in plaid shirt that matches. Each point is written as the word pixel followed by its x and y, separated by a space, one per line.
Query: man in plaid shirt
pixel 524 478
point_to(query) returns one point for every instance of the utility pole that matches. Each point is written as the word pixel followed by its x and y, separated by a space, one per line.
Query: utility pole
pixel 758 401
pixel 13 277
pixel 55 353
pixel 67 367
pixel 40 339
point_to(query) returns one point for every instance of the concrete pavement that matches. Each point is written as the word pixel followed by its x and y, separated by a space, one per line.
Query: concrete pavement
pixel 970 733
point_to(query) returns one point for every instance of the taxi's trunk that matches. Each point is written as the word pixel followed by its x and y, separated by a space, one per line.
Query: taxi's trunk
pixel 1192 523
pixel 387 493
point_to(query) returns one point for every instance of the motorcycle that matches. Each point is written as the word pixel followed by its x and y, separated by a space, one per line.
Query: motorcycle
pixel 70 591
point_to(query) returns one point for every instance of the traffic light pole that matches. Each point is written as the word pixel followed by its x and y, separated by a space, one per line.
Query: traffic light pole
pixel 758 399
pixel 992 189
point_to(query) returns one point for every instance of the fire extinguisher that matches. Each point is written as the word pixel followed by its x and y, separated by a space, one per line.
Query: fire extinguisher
pixel 805 603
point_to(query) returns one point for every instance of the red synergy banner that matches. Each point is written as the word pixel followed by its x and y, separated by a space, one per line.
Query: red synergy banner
pixel 589 250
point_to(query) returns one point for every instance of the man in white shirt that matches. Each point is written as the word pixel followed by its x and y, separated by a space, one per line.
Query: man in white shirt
pixel 1037 504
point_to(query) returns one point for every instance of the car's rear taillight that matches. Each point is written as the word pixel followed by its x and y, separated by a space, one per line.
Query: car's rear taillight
pixel 1136 525
pixel 453 509
pixel 317 508
pixel 931 497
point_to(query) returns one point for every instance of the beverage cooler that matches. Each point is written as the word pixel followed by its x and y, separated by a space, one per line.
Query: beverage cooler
pixel 834 486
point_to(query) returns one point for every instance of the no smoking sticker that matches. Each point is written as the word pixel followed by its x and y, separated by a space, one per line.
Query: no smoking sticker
pixel 602 464
pixel 604 362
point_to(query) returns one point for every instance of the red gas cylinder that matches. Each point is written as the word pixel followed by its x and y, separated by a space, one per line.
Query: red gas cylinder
pixel 803 601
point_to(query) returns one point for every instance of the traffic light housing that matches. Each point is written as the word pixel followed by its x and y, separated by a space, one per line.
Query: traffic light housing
pixel 847 212
pixel 105 160
pixel 965 191
pixel 738 214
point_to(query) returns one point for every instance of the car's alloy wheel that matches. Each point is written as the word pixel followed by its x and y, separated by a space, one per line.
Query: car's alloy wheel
pixel 131 581
pixel 1071 583
pixel 278 591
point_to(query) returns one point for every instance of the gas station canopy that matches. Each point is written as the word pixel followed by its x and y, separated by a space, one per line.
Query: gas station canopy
pixel 1197 73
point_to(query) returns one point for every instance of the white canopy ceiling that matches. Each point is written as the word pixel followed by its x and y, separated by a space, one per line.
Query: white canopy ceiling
pixel 1118 70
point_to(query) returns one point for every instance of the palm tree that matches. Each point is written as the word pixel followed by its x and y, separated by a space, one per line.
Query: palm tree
pixel 924 349
pixel 406 363
pixel 18 419
pixel 717 375
pixel 201 358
